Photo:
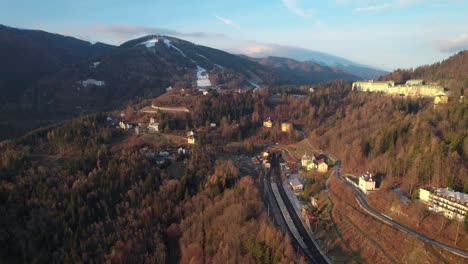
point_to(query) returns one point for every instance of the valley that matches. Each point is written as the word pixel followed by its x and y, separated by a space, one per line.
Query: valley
pixel 161 150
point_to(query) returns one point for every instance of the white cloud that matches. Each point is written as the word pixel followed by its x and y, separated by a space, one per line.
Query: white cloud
pixel 293 6
pixel 227 21
pixel 453 44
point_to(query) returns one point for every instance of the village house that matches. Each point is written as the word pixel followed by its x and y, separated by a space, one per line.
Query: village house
pixel 286 127
pixel 296 185
pixel 366 182
pixel 322 166
pixel 306 159
pixel 191 137
pixel 268 123
pixel 451 204
pixel 309 162
pixel 153 126
pixel 124 125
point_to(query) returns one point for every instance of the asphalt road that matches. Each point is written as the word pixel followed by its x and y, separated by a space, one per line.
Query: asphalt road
pixel 360 197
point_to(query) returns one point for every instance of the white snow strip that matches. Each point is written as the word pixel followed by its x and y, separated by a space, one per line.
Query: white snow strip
pixel 219 66
pixel 169 44
pixel 202 80
pixel 95 64
pixel 202 56
pixel 254 84
pixel 91 82
pixel 150 43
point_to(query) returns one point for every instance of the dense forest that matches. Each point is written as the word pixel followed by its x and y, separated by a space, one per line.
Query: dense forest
pixel 66 197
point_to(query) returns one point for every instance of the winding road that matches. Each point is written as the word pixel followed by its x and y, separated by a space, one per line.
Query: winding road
pixel 360 198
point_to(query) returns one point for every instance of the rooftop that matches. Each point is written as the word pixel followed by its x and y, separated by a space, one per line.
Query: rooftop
pixel 295 182
pixel 462 197
pixel 367 176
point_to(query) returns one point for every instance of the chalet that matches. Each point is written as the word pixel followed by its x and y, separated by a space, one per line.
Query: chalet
pixel 366 182
pixel 296 185
pixel 322 166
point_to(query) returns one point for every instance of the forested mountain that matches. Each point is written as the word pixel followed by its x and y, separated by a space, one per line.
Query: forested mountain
pixel 306 69
pixel 28 55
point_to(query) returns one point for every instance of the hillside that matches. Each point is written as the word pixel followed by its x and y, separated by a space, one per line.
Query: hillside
pixel 85 192
pixel 28 55
pixel 451 73
pixel 306 69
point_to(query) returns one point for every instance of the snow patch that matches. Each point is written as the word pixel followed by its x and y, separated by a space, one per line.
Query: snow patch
pixel 202 80
pixel 254 85
pixel 92 82
pixel 170 45
pixel 95 64
pixel 219 66
pixel 150 43
pixel 202 56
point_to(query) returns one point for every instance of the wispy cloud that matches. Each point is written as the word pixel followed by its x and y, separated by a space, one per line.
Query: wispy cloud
pixel 126 32
pixel 293 6
pixel 373 8
pixel 399 4
pixel 227 21
pixel 453 44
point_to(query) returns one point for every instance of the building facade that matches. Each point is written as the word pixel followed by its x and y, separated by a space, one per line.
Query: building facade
pixel 451 204
pixel 322 166
pixel 410 88
pixel 366 182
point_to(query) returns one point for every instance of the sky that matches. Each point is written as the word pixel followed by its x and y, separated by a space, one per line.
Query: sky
pixel 388 34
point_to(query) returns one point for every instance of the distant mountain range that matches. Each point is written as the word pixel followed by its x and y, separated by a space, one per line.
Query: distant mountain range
pixel 50 71
pixel 58 76
pixel 259 50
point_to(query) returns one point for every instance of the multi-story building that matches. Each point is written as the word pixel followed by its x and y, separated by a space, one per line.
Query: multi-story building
pixel 453 205
pixel 366 182
pixel 410 88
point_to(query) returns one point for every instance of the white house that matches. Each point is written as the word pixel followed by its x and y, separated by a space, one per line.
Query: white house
pixel 322 166
pixel 366 182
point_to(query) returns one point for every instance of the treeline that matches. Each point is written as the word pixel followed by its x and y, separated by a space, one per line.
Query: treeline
pixel 65 197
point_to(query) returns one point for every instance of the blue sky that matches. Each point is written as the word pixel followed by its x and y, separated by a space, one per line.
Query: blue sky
pixel 385 33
